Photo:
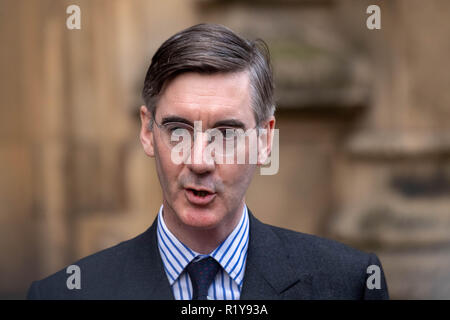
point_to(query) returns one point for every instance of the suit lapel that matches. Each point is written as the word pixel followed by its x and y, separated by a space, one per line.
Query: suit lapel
pixel 268 273
pixel 144 276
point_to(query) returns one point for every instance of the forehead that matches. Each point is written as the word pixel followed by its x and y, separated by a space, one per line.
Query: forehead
pixel 207 97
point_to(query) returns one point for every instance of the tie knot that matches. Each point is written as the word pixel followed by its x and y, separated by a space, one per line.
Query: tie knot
pixel 202 273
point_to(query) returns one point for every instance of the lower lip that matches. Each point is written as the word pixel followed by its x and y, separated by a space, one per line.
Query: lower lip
pixel 197 200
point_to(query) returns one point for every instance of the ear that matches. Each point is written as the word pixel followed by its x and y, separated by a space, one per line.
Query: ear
pixel 265 140
pixel 146 135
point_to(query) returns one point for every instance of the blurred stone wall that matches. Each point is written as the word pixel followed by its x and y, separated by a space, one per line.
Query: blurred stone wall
pixel 363 118
pixel 73 177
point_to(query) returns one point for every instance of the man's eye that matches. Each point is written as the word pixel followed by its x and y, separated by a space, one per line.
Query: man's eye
pixel 228 133
pixel 175 126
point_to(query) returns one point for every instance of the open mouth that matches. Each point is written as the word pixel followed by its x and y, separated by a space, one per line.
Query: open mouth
pixel 199 193
pixel 199 197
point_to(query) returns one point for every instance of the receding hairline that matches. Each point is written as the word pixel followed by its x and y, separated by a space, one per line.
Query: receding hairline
pixel 245 102
pixel 238 73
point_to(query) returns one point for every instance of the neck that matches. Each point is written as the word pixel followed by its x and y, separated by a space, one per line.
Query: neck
pixel 203 241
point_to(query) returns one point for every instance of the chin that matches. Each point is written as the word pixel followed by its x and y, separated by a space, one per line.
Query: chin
pixel 200 218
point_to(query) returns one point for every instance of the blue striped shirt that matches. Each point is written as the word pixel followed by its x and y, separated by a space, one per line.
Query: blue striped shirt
pixel 231 255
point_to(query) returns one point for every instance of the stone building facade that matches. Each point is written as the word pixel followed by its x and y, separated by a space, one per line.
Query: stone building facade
pixel 363 118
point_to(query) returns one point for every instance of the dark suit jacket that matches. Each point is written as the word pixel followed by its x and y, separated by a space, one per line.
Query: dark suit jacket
pixel 281 264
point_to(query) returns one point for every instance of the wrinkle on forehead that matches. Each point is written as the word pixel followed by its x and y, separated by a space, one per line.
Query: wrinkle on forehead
pixel 213 96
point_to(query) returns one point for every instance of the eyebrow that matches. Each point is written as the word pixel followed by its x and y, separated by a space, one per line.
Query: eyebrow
pixel 230 123
pixel 221 123
pixel 168 119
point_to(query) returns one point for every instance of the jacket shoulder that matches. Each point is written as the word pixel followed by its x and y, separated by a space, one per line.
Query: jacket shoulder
pixel 337 269
pixel 316 245
pixel 99 273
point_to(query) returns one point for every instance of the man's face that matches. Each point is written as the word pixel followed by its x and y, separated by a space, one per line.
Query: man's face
pixel 218 100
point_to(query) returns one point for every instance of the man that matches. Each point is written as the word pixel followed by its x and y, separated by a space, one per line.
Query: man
pixel 206 86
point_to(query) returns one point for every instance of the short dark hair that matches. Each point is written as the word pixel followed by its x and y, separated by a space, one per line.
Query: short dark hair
pixel 208 49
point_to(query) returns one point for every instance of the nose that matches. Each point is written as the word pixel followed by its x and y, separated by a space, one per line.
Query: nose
pixel 201 161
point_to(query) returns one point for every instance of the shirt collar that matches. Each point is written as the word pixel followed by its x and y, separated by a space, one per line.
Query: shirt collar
pixel 231 254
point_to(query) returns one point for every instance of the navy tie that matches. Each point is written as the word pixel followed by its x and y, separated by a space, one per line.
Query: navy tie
pixel 202 273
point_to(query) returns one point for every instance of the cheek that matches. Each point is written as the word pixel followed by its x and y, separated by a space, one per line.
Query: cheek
pixel 236 179
pixel 167 170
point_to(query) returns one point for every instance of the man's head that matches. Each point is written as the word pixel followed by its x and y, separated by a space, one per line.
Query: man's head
pixel 205 73
pixel 209 49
